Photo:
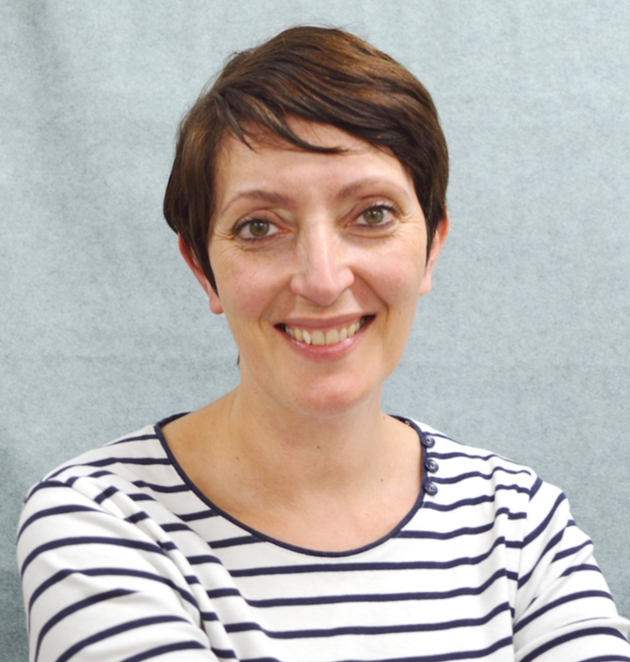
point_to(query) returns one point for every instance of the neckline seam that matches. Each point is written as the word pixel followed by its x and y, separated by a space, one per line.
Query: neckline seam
pixel 425 455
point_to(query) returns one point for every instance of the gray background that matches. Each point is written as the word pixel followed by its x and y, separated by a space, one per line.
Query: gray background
pixel 523 345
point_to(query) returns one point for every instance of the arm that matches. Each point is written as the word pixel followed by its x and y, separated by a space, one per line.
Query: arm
pixel 564 608
pixel 98 586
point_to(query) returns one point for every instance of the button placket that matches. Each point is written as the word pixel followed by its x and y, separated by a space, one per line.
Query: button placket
pixel 430 465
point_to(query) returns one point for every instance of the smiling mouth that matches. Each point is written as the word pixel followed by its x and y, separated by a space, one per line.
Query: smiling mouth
pixel 330 337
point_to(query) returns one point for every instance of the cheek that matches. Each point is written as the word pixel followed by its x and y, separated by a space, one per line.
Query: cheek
pixel 397 276
pixel 246 287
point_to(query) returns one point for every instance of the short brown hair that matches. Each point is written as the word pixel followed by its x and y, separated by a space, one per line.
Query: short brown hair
pixel 320 74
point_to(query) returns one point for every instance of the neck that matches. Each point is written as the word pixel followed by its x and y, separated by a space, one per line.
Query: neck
pixel 329 482
pixel 297 450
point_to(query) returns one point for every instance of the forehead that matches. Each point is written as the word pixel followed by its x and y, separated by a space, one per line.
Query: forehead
pixel 271 162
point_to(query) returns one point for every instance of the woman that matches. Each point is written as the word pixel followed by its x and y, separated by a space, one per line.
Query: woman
pixel 291 519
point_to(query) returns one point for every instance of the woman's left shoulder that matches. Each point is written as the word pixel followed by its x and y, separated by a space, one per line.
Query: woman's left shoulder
pixel 457 463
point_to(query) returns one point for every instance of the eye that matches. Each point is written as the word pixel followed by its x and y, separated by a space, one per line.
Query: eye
pixel 377 215
pixel 255 228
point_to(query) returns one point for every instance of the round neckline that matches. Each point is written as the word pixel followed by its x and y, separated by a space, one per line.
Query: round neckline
pixel 426 487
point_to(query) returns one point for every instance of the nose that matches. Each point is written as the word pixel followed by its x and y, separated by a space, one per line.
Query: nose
pixel 323 269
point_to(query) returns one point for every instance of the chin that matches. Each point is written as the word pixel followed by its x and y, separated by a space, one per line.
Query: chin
pixel 337 400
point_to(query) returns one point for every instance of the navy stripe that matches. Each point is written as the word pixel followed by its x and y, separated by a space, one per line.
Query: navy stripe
pixel 235 542
pixel 223 592
pixel 434 535
pixel 545 523
pixel 473 501
pixel 372 597
pixel 202 558
pixel 194 517
pixel 370 630
pixel 89 540
pixel 166 489
pixel 141 497
pixel 535 487
pixel 354 567
pixel 43 485
pixel 137 517
pixel 118 629
pixel 141 461
pixel 77 606
pixel 58 510
pixel 109 572
pixel 471 456
pixel 105 494
pixel 572 636
pixel 108 461
pixel 161 650
pixel 572 550
pixel 176 526
pixel 560 601
pixel 584 567
pixel 443 657
pixel 137 437
pixel 224 654
pixel 208 616
pixel 101 473
pixel 608 658
pixel 476 474
pixel 358 597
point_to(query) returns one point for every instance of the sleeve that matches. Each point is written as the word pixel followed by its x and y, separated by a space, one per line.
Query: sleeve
pixel 98 587
pixel 564 610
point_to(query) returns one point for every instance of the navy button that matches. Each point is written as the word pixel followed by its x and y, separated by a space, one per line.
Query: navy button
pixel 431 488
pixel 429 442
pixel 431 465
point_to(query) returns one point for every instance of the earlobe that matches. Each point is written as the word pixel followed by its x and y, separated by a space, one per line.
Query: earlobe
pixel 191 261
pixel 436 246
pixel 215 302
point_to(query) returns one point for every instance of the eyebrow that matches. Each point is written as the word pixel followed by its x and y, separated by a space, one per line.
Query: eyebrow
pixel 353 187
pixel 257 194
pixel 274 198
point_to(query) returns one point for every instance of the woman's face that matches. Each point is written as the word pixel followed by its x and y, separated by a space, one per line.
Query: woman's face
pixel 319 260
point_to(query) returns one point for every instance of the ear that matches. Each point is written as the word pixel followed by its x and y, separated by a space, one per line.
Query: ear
pixel 436 246
pixel 191 261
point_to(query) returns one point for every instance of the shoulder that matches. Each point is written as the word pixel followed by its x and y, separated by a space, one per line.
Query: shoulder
pixel 121 496
pixel 109 479
pixel 472 467
pixel 95 550
pixel 121 457
pixel 482 486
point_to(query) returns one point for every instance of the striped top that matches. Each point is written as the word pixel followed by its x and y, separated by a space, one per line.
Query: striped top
pixel 123 559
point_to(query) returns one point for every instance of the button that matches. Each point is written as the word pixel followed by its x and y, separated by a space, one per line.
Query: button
pixel 431 488
pixel 431 465
pixel 429 441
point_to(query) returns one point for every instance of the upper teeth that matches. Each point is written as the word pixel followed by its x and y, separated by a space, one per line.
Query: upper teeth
pixel 329 337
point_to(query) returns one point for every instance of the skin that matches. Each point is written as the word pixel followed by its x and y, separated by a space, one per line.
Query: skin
pixel 300 450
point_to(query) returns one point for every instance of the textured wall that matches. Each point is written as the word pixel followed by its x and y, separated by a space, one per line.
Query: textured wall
pixel 522 347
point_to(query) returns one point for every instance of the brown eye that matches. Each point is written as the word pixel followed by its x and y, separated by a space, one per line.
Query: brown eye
pixel 374 215
pixel 259 228
pixel 255 228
